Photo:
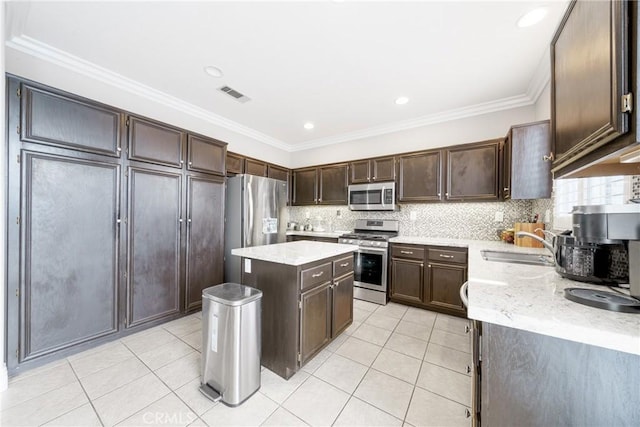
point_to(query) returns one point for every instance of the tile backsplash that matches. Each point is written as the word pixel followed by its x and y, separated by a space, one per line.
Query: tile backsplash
pixel 455 220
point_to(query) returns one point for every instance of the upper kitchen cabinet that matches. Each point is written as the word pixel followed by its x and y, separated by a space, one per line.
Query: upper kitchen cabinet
pixel 235 164
pixel 155 142
pixel 304 187
pixel 420 177
pixel 526 162
pixel 276 172
pixel 206 155
pixel 593 61
pixel 332 181
pixel 326 185
pixel 372 170
pixel 255 167
pixel 473 171
pixel 88 126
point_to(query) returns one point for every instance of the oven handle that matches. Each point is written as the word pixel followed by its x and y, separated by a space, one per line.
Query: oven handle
pixel 371 250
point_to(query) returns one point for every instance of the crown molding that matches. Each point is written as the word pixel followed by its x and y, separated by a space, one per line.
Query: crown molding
pixel 50 54
pixel 444 116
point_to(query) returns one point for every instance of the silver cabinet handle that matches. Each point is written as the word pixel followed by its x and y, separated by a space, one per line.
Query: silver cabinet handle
pixel 407 252
pixel 317 274
pixel 548 158
pixel 344 265
pixel 506 188
pixel 446 194
pixel 337 284
pixel 445 256
pixel 439 194
pixel 190 163
pixel 466 329
pixel 428 265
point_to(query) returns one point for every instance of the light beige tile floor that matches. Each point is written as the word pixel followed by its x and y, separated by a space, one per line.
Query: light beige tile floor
pixel 394 366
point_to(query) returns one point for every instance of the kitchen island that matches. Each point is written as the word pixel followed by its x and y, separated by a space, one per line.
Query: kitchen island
pixel 307 298
pixel 546 360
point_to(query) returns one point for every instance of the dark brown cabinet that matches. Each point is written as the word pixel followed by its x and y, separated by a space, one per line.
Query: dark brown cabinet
pixel 326 185
pixel 589 105
pixel 315 320
pixel 103 244
pixel 206 155
pixel 154 142
pixel 420 177
pixel 372 170
pixel 235 164
pixel 276 172
pixel 436 287
pixel 304 308
pixel 154 231
pixel 204 245
pixel 332 182
pixel 255 167
pixel 526 162
pixel 298 237
pixel 473 171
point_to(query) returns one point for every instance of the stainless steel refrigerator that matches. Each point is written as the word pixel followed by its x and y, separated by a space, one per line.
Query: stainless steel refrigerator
pixel 255 214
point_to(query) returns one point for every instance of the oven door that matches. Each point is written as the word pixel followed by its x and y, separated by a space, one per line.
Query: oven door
pixel 370 268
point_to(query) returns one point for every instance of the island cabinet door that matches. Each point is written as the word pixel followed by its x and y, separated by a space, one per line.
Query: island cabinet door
pixel 315 320
pixel 444 283
pixel 407 277
pixel 342 304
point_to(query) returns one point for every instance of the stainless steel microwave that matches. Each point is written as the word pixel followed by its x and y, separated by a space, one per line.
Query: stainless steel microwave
pixel 379 196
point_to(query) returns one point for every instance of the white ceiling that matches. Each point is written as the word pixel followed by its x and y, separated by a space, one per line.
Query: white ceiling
pixel 339 65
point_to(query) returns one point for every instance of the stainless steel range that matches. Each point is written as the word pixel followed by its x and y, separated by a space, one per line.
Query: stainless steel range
pixel 371 258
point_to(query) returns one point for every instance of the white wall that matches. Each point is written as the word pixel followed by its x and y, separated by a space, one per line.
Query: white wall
pixel 472 129
pixel 543 105
pixel 32 68
pixel 3 184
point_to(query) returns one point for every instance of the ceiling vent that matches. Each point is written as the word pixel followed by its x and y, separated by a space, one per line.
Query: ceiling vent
pixel 235 94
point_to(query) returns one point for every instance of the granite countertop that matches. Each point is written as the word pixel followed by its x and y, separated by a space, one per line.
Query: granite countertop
pixel 330 234
pixel 531 298
pixel 294 253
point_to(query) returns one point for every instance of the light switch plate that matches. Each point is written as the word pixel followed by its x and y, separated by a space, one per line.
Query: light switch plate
pixel 499 217
pixel 413 215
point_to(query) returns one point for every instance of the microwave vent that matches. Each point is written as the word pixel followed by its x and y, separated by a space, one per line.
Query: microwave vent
pixel 235 94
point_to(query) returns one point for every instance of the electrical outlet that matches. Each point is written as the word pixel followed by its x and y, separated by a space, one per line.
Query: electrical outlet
pixel 307 214
pixel 499 217
pixel 413 215
pixel 339 213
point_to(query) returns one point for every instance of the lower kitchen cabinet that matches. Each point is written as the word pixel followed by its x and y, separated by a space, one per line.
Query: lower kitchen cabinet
pixel 436 288
pixel 304 308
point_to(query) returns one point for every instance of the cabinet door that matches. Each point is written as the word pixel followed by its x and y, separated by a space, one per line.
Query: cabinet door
pixel 205 235
pixel 472 171
pixel 420 177
pixel 61 120
pixel 206 155
pixel 530 173
pixel 360 171
pixel 315 320
pixel 342 304
pixel 69 274
pixel 407 278
pixel 154 245
pixel 255 167
pixel 155 143
pixel 443 285
pixel 276 172
pixel 333 185
pixel 586 100
pixel 235 164
pixel 384 169
pixel 304 187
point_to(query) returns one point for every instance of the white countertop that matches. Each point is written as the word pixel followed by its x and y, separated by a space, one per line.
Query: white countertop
pixel 330 234
pixel 294 253
pixel 531 298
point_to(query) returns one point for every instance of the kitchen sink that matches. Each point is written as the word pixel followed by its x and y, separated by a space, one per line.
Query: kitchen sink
pixel 518 258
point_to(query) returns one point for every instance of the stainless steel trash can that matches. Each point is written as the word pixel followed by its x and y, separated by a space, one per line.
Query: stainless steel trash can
pixel 231 342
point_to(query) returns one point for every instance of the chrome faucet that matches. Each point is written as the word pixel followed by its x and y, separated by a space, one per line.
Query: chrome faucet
pixel 546 244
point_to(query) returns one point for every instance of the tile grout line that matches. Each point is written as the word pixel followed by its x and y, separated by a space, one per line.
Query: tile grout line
pixel 85 393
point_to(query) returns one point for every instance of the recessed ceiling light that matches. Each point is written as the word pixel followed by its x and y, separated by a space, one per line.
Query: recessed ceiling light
pixel 213 71
pixel 402 100
pixel 532 17
pixel 309 126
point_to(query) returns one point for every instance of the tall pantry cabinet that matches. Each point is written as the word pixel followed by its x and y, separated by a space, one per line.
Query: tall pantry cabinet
pixel 115 222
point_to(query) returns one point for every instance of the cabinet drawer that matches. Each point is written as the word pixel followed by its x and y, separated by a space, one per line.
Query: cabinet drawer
pixel 315 275
pixel 343 266
pixel 411 252
pixel 444 255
